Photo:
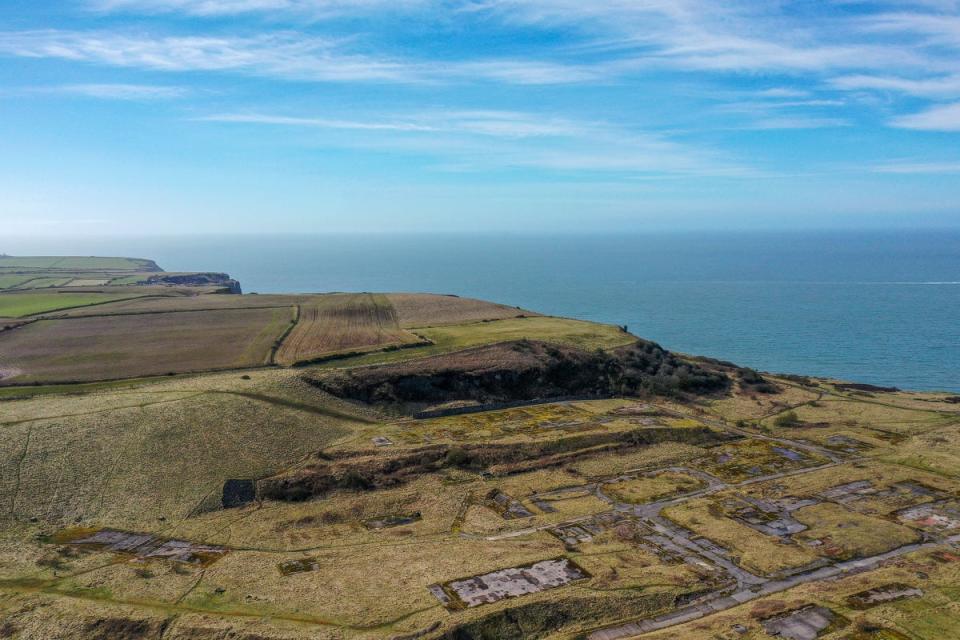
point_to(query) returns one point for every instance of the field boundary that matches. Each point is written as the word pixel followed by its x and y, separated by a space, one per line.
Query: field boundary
pixel 40 315
pixel 499 406
pixel 278 343
pixel 159 376
pixel 345 355
pixel 158 312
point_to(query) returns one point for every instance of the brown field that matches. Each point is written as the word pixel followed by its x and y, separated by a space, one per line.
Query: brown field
pixel 430 310
pixel 172 303
pixel 342 323
pixel 111 347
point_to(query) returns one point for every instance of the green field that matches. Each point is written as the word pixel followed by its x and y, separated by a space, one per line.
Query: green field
pixel 74 263
pixel 18 305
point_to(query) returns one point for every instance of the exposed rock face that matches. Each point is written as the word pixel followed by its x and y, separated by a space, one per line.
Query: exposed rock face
pixel 521 371
pixel 197 279
pixel 371 470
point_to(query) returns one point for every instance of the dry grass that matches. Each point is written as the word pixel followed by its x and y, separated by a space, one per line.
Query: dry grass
pixel 113 347
pixel 141 455
pixel 936 451
pixel 856 413
pixel 430 310
pixel 751 458
pixel 655 456
pixel 130 459
pixel 650 488
pixel 446 339
pixel 849 534
pixel 880 474
pixel 755 551
pixel 339 323
pixel 754 406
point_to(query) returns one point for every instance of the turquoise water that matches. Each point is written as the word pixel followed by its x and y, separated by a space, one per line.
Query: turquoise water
pixel 879 307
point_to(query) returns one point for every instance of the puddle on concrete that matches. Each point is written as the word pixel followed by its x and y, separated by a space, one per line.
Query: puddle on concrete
pixel 585 530
pixel 141 546
pixel 508 507
pixel 508 583
pixel 789 454
pixel 938 516
pixel 807 623
pixel 881 595
pixel 771 517
pixel 846 444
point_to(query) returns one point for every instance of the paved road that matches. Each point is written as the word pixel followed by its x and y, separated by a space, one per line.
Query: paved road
pixel 699 610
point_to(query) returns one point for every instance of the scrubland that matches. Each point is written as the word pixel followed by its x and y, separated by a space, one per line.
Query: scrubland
pixel 661 498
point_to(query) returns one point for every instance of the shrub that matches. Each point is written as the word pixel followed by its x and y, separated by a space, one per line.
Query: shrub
pixel 788 419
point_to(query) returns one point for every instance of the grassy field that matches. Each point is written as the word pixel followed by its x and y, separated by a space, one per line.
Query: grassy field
pixel 76 263
pixel 587 335
pixel 144 458
pixel 647 489
pixel 108 347
pixel 852 534
pixel 338 323
pixel 18 305
pixel 429 310
pixel 755 551
pixel 12 281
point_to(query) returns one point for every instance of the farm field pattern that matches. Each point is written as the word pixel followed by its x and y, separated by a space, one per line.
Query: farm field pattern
pixel 242 498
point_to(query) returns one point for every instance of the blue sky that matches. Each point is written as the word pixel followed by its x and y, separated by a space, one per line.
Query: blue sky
pixel 150 116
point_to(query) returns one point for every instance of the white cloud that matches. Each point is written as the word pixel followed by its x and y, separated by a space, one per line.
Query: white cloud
pixel 280 54
pixel 934 28
pixel 497 124
pixel 782 92
pixel 797 122
pixel 286 55
pixel 319 8
pixel 939 118
pixel 114 91
pixel 919 168
pixel 942 86
pixel 483 140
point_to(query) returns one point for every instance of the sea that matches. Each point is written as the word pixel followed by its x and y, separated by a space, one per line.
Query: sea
pixel 878 307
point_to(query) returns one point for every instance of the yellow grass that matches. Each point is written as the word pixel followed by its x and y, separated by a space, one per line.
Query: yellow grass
pixel 755 551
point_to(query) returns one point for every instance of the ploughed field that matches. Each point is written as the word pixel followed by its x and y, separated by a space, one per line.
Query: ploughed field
pixel 437 467
pixel 340 323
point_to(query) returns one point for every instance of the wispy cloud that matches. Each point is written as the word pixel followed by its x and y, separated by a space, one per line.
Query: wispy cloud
pixel 112 91
pixel 501 124
pixel 939 118
pixel 280 54
pixel 919 167
pixel 484 139
pixel 941 86
pixel 797 122
pixel 709 35
pixel 235 7
pixel 285 55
